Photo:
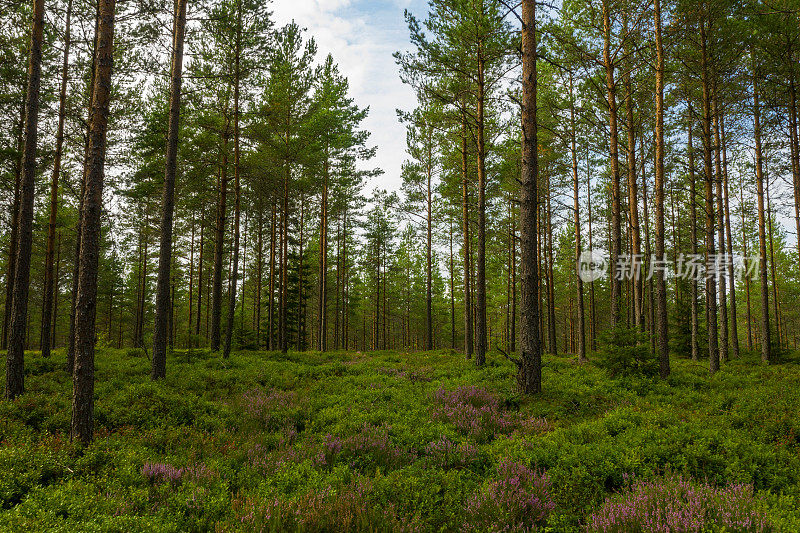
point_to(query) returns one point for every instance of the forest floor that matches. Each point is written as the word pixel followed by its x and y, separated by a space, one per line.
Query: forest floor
pixel 401 441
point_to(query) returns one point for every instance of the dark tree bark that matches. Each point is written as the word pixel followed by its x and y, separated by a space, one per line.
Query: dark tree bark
pixel 766 334
pixel 468 330
pixel 711 282
pixel 481 340
pixel 47 307
pixel 159 370
pixel 15 362
pixel 616 217
pixel 322 308
pixel 633 187
pixel 662 319
pixel 723 291
pixel 529 373
pixel 581 323
pixel 237 210
pixel 200 278
pixel 695 319
pixel 14 237
pixel 86 305
pixel 219 242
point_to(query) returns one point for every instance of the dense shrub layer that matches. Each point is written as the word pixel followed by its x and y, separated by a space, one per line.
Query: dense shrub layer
pixel 402 442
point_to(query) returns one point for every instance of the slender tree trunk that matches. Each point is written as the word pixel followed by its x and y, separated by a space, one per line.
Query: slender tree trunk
pixel 322 310
pixel 200 277
pixel 15 363
pixel 468 341
pixel 775 296
pixel 452 292
pixel 663 323
pixel 47 307
pixel 237 187
pixel 633 187
pixel 259 274
pixel 14 237
pixel 795 148
pixel 766 334
pixel 711 282
pixel 271 301
pixel 429 246
pixel 581 334
pixel 86 305
pixel 480 320
pixel 616 219
pixel 695 320
pixel 56 279
pixel 219 242
pixel 551 290
pixel 159 370
pixel 592 304
pixel 723 292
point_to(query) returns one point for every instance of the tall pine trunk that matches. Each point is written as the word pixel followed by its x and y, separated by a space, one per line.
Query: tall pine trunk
pixel 82 426
pixel 15 363
pixel 159 370
pixel 237 210
pixel 529 372
pixel 49 282
pixel 616 218
pixel 766 334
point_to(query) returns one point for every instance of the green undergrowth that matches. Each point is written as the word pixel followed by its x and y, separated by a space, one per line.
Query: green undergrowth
pixel 385 441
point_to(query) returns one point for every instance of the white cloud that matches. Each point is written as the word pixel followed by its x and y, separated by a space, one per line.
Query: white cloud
pixel 362 40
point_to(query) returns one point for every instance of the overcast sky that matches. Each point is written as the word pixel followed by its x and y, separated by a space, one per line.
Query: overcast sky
pixel 362 35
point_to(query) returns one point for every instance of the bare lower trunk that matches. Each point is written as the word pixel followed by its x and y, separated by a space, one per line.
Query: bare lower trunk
pixel 159 370
pixel 86 305
pixel 529 375
pixel 766 334
pixel 15 362
pixel 47 307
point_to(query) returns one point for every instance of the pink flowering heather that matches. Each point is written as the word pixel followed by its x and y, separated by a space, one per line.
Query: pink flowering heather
pixel 676 505
pixel 166 473
pixel 474 411
pixel 445 453
pixel 517 500
pixel 274 409
pixel 371 443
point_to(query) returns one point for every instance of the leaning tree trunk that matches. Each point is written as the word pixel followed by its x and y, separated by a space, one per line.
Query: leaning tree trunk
pixel 159 370
pixel 15 363
pixel 86 305
pixel 49 282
